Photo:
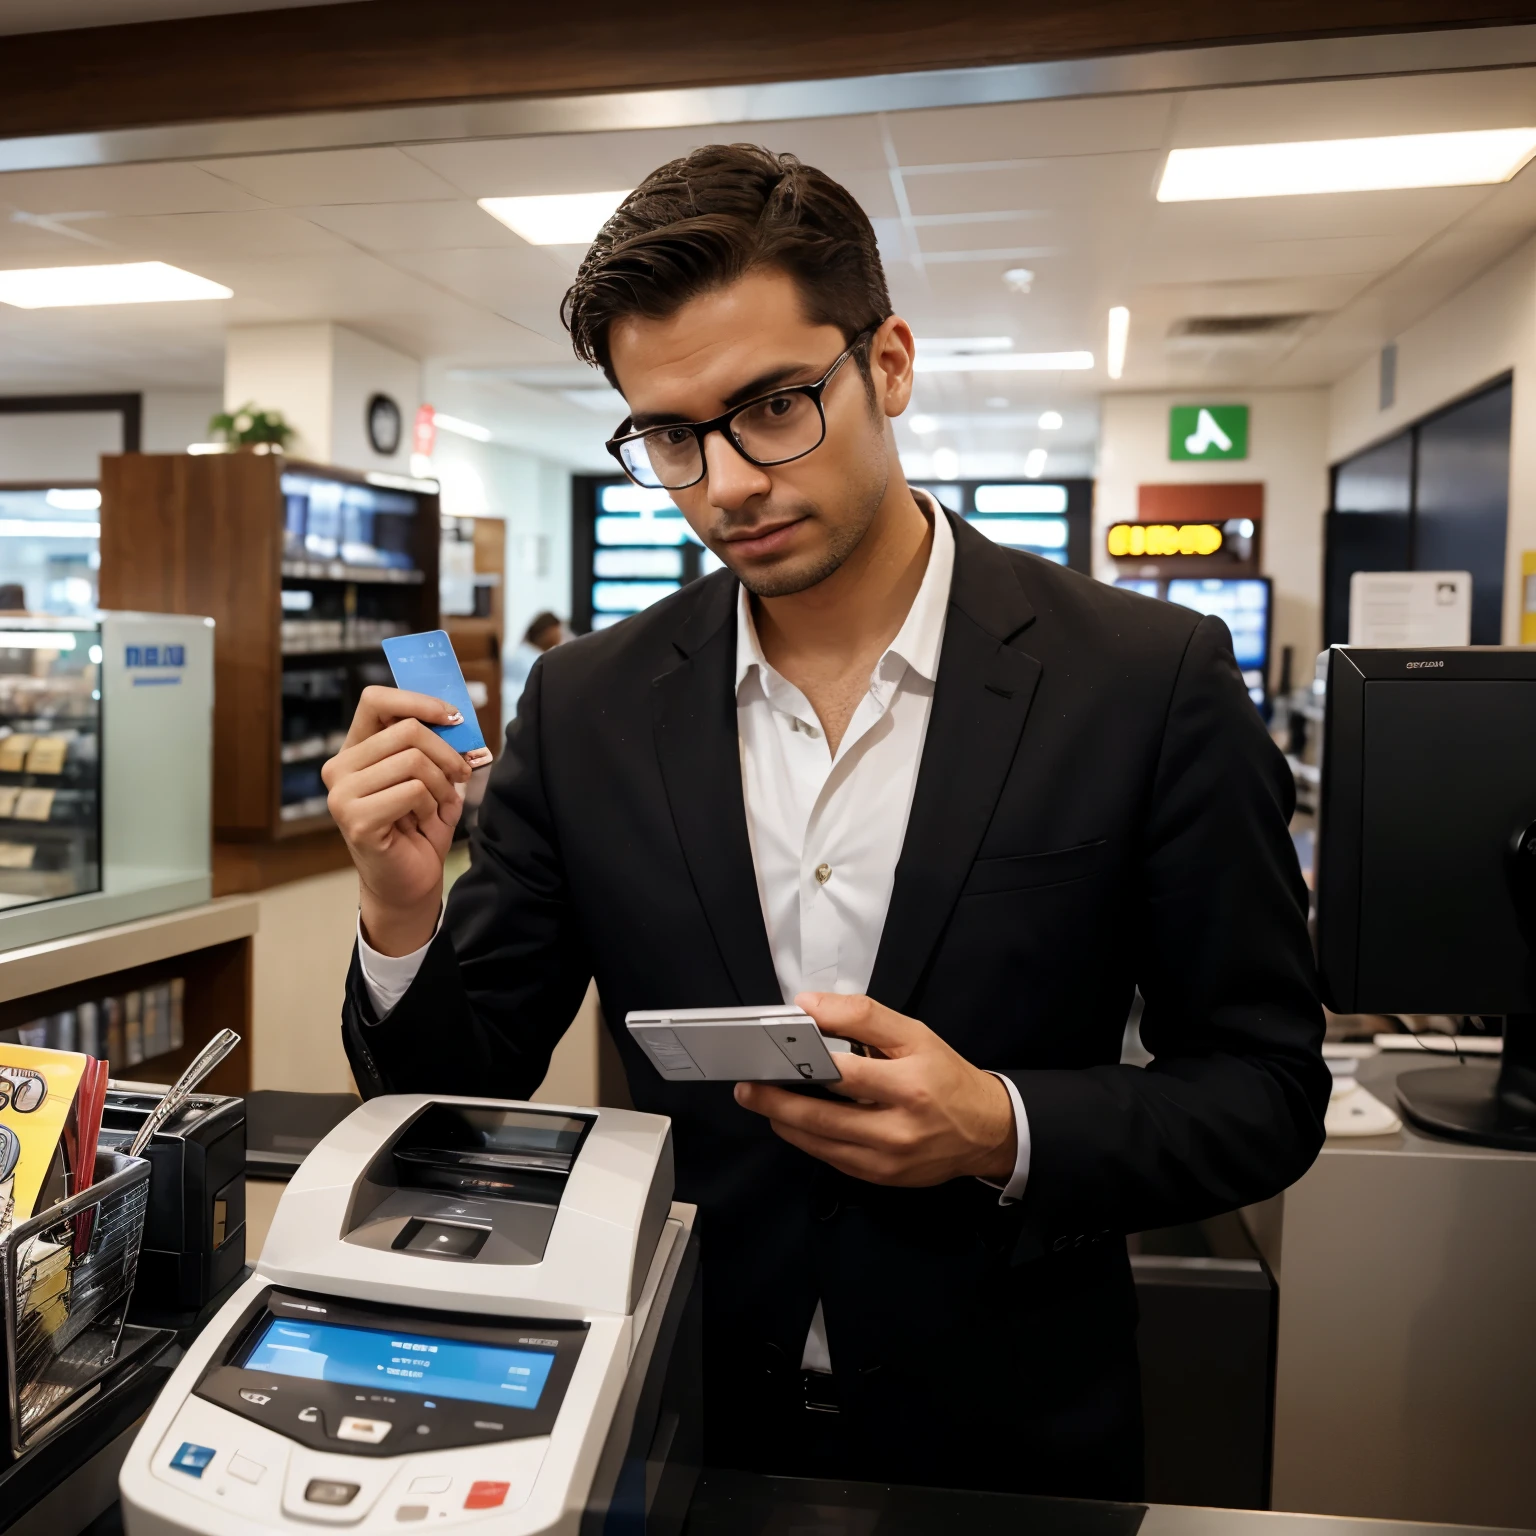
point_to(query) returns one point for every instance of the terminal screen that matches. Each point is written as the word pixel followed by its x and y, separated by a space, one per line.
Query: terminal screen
pixel 407 1362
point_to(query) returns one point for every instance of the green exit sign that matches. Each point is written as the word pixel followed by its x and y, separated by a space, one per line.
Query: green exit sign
pixel 1208 432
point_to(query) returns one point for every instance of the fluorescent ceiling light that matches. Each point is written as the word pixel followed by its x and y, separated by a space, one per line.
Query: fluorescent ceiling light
pixel 572 218
pixel 965 345
pixel 1050 421
pixel 134 282
pixel 462 428
pixel 45 528
pixel 1119 334
pixel 35 640
pixel 923 424
pixel 1346 165
pixel 1034 463
pixel 74 499
pixel 1003 362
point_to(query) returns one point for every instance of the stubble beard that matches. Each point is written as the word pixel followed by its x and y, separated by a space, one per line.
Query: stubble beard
pixel 842 540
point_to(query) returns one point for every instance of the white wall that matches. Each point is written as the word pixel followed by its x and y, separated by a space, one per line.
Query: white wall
pixel 1487 329
pixel 58 445
pixel 175 417
pixel 1287 452
pixel 321 376
pixel 534 497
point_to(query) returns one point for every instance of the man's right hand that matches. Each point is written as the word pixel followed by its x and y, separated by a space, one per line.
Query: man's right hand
pixel 397 792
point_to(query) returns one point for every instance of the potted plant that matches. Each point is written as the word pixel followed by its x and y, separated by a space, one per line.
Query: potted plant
pixel 251 430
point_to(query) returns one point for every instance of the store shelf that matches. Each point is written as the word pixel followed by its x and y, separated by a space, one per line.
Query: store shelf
pixel 81 956
pixel 337 570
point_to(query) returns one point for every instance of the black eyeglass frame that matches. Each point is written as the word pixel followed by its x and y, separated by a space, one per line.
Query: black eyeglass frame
pixel 722 423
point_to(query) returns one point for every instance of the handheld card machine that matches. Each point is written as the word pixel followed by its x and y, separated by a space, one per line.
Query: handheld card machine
pixel 466 1313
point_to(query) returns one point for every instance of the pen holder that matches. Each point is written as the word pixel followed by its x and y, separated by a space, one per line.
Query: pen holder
pixel 67 1276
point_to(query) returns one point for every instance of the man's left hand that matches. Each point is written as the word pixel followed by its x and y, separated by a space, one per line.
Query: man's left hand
pixel 922 1114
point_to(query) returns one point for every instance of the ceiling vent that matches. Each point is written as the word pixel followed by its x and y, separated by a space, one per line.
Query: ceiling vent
pixel 1237 327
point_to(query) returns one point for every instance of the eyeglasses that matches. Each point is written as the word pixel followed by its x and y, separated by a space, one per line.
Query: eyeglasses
pixel 772 429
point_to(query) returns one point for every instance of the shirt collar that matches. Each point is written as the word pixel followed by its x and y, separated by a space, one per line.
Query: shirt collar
pixel 921 635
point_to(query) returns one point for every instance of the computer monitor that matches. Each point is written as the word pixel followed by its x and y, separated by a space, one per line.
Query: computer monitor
pixel 1426 865
pixel 1243 604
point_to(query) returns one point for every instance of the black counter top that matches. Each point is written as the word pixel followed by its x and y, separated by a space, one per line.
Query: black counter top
pixel 748 1504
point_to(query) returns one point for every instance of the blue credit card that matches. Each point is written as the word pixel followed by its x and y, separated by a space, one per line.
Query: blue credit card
pixel 425 663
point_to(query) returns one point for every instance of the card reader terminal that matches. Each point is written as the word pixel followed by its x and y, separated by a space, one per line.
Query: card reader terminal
pixel 465 1311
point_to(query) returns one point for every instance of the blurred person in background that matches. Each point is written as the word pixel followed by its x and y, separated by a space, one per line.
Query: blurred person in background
pixel 544 634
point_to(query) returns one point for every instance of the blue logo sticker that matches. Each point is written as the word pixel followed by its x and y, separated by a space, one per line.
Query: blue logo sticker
pixel 155 656
pixel 192 1459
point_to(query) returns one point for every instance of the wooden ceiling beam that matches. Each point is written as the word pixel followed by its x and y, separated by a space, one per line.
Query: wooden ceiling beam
pixel 382 53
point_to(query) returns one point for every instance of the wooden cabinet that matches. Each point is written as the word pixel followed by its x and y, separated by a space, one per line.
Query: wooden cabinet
pixel 304 569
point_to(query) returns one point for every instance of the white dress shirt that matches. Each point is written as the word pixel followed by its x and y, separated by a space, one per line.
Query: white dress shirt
pixel 826 829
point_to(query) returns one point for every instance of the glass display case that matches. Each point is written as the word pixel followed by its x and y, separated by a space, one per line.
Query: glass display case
pixel 50 759
pixel 49 549
pixel 105 770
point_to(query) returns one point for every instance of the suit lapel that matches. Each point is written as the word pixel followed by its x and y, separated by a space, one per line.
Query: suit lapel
pixel 981 699
pixel 697 745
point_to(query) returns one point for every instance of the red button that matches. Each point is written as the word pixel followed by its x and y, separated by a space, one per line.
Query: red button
pixel 486 1495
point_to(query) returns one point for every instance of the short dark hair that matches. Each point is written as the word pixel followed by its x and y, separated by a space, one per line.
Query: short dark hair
pixel 698 223
pixel 541 622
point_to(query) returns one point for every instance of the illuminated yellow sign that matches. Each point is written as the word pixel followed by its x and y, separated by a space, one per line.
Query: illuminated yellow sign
pixel 1138 539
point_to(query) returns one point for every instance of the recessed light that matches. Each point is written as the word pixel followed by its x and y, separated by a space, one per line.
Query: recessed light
pixel 572 218
pixel 946 463
pixel 134 282
pixel 1119 334
pixel 74 499
pixel 1346 165
pixel 1003 362
pixel 461 428
pixel 923 424
pixel 1034 463
pixel 1019 279
pixel 1050 421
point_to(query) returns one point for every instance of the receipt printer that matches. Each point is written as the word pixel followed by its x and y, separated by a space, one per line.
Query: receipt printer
pixel 467 1313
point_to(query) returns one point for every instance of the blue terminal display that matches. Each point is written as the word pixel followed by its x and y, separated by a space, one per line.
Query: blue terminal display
pixel 407 1362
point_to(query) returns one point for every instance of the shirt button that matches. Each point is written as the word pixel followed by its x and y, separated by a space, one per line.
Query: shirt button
pixel 823 873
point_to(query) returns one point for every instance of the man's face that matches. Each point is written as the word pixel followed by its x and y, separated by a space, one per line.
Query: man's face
pixel 784 528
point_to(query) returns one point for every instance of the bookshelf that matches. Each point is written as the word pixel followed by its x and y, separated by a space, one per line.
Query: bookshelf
pixel 304 569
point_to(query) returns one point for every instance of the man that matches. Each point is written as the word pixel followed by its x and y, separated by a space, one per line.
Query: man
pixel 955 801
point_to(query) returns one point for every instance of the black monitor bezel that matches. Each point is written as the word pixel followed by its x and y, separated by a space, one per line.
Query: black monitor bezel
pixel 1337 874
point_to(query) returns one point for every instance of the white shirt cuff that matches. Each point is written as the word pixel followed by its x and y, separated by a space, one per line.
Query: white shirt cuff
pixel 388 977
pixel 1014 1188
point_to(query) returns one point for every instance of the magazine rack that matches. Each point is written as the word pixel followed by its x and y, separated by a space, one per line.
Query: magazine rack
pixel 67 1277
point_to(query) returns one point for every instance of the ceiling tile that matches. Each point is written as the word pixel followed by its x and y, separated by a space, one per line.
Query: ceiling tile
pixel 1105 182
pixel 333 176
pixel 1029 130
pixel 442 226
pixel 521 283
pixel 1346 109
pixel 128 190
pixel 847 149
pixel 197 237
pixel 1240 261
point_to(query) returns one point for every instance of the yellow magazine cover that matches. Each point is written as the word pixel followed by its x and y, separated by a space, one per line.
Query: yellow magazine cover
pixel 37 1091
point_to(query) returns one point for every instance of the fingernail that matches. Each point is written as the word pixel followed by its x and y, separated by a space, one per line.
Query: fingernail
pixel 455 718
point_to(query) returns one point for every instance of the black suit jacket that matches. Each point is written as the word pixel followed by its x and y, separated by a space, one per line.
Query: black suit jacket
pixel 1098 807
